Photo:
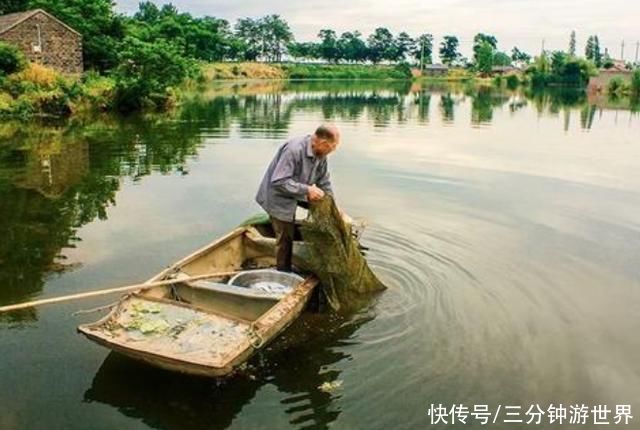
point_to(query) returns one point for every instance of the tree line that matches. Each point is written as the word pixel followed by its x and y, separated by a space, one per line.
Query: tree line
pixel 157 47
pixel 107 33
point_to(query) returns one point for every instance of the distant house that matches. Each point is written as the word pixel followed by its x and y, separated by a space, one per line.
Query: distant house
pixel 503 70
pixel 618 66
pixel 435 70
pixel 44 39
pixel 605 76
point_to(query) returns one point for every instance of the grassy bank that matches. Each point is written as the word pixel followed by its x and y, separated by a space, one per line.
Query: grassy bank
pixel 39 91
pixel 249 70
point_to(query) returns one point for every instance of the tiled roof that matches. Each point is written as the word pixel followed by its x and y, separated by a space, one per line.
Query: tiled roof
pixel 9 20
pixel 12 19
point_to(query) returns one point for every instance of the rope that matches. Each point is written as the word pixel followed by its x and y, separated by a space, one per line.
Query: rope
pixel 255 339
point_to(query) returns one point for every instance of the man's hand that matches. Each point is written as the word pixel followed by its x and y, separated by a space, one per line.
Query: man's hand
pixel 314 193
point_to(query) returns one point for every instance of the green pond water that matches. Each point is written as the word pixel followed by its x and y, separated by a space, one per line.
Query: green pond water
pixel 505 225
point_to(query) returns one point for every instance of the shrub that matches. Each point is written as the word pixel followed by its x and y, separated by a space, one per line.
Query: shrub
pixel 146 72
pixel 512 82
pixel 55 103
pixel 6 103
pixel 39 76
pixel 615 86
pixel 404 70
pixel 635 83
pixel 11 59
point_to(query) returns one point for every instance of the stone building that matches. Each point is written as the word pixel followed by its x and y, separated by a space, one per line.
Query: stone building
pixel 44 39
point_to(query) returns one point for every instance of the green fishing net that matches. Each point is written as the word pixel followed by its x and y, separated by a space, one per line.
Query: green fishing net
pixel 334 256
pixel 332 253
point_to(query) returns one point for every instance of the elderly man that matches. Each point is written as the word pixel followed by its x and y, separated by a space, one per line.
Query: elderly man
pixel 298 173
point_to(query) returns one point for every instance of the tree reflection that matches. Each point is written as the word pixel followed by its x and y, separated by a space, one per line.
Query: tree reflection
pixel 446 107
pixel 484 101
pixel 57 177
pixel 54 179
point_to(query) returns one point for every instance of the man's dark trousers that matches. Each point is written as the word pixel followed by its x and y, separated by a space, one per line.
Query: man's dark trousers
pixel 284 243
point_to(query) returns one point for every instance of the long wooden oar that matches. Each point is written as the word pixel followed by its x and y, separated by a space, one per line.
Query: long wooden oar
pixel 112 290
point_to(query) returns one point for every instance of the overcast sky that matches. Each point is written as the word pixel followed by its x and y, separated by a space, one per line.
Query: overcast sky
pixel 523 23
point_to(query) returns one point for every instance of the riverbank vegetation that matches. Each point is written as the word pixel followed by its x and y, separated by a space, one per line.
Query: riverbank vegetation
pixel 249 70
pixel 141 61
pixel 618 87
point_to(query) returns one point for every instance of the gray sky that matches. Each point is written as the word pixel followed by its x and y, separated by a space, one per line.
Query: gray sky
pixel 514 22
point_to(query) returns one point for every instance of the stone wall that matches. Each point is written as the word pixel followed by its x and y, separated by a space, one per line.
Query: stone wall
pixel 61 48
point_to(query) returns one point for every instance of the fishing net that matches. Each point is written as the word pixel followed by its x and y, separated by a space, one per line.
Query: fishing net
pixel 334 256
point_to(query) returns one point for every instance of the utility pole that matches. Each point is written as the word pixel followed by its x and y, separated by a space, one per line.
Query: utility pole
pixel 622 51
pixel 637 49
pixel 422 56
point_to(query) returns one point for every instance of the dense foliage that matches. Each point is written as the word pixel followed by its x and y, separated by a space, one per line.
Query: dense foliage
pixel 635 83
pixel 144 57
pixel 559 68
pixel 147 73
pixel 11 59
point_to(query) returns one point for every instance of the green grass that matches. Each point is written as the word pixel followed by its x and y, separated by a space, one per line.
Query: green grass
pixel 345 71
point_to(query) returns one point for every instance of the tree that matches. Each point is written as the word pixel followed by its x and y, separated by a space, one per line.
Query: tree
pixel 11 6
pixel 381 45
pixel 588 49
pixel 423 51
pixel 572 44
pixel 404 46
pixel 306 50
pixel 592 50
pixel 276 35
pixel 558 62
pixel 597 55
pixel 635 83
pixel 501 59
pixel 206 38
pixel 449 49
pixel 145 73
pixel 147 12
pixel 352 47
pixel 519 56
pixel 248 31
pixel 484 58
pixel 478 41
pixel 328 47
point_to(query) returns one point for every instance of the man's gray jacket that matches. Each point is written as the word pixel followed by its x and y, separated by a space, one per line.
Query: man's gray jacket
pixel 288 177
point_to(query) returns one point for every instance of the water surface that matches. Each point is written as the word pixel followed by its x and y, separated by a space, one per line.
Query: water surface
pixel 504 223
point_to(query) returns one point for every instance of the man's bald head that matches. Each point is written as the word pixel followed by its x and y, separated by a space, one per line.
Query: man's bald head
pixel 328 132
pixel 325 139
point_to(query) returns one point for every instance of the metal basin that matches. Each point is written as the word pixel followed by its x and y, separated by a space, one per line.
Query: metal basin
pixel 266 281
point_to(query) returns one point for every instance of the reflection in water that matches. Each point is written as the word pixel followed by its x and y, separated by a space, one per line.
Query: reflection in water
pixel 307 355
pixel 56 178
pixel 53 180
pixel 484 101
pixel 447 107
pixel 505 243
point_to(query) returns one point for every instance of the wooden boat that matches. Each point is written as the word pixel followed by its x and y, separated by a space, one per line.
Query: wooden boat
pixel 206 328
